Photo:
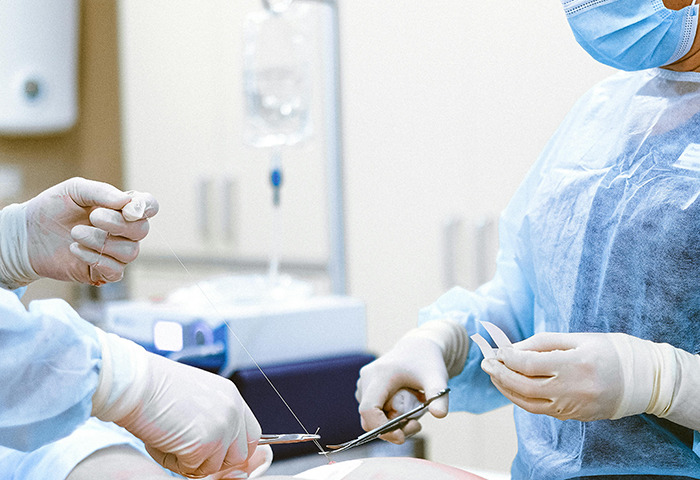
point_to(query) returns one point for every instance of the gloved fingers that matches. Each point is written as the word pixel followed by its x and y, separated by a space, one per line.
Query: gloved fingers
pixel 238 455
pixel 256 466
pixel 542 354
pixel 171 462
pixel 538 396
pixel 358 388
pixel 233 473
pixel 408 399
pixel 113 221
pixel 260 461
pixel 373 398
pixel 525 392
pixel 549 354
pixel 219 463
pixel 439 407
pixel 119 248
pixel 101 268
pixel 541 406
pixel 411 428
pixel 404 400
pixel 513 381
pixel 563 408
pixel 90 193
pixel 381 380
pixel 242 446
pixel 400 435
pixel 549 342
pixel 371 405
pixel 252 429
pixel 398 406
pixel 397 436
pixel 142 206
pixel 532 363
pixel 199 464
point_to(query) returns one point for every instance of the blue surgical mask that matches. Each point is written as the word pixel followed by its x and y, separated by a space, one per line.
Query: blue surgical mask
pixel 632 34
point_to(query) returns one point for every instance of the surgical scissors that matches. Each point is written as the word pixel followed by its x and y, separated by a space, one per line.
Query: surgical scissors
pixel 280 438
pixel 390 426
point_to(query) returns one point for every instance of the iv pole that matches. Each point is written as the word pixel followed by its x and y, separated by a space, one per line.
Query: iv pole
pixel 334 161
pixel 336 261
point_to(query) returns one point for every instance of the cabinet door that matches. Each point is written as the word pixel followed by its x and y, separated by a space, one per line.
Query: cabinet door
pixel 183 116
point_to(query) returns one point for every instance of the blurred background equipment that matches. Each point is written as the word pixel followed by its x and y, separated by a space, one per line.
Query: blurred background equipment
pixel 38 66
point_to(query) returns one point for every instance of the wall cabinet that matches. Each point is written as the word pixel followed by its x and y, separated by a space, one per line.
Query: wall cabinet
pixel 182 109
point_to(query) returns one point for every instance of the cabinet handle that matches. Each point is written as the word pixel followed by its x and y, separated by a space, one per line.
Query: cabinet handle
pixel 202 209
pixel 450 233
pixel 227 209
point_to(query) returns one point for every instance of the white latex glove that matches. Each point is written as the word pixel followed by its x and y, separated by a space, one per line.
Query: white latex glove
pixel 575 375
pixel 422 361
pixel 193 422
pixel 86 231
pixel 255 467
pixel 15 269
pixel 593 376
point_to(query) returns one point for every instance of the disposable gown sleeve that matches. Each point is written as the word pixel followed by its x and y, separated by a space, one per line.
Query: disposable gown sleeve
pixel 50 360
pixel 506 300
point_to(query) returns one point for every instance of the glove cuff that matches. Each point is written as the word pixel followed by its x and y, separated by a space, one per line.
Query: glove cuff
pixel 452 339
pixel 649 374
pixel 15 269
pixel 666 375
pixel 685 408
pixel 122 381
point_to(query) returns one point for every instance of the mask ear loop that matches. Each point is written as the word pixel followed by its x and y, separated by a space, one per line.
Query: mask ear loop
pixel 689 34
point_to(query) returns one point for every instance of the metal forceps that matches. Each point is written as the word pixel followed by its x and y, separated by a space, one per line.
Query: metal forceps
pixel 390 426
pixel 280 438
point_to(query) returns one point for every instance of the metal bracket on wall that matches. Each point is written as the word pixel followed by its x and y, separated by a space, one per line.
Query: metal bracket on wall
pixel 469 251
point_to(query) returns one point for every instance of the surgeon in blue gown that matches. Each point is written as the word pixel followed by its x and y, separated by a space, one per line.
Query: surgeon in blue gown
pixel 598 274
pixel 58 371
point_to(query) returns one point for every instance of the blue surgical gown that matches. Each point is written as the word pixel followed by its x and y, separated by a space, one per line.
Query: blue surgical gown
pixel 56 460
pixel 49 366
pixel 603 235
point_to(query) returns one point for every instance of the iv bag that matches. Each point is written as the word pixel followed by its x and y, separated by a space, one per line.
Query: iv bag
pixel 277 77
pixel 277 5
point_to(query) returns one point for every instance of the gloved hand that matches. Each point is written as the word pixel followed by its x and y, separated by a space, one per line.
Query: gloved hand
pixel 593 376
pixel 575 375
pixel 422 361
pixel 86 231
pixel 192 422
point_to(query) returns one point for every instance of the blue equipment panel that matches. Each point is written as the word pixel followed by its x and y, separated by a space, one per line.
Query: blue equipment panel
pixel 320 392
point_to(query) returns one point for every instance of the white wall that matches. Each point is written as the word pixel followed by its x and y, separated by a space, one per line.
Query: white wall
pixel 446 104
